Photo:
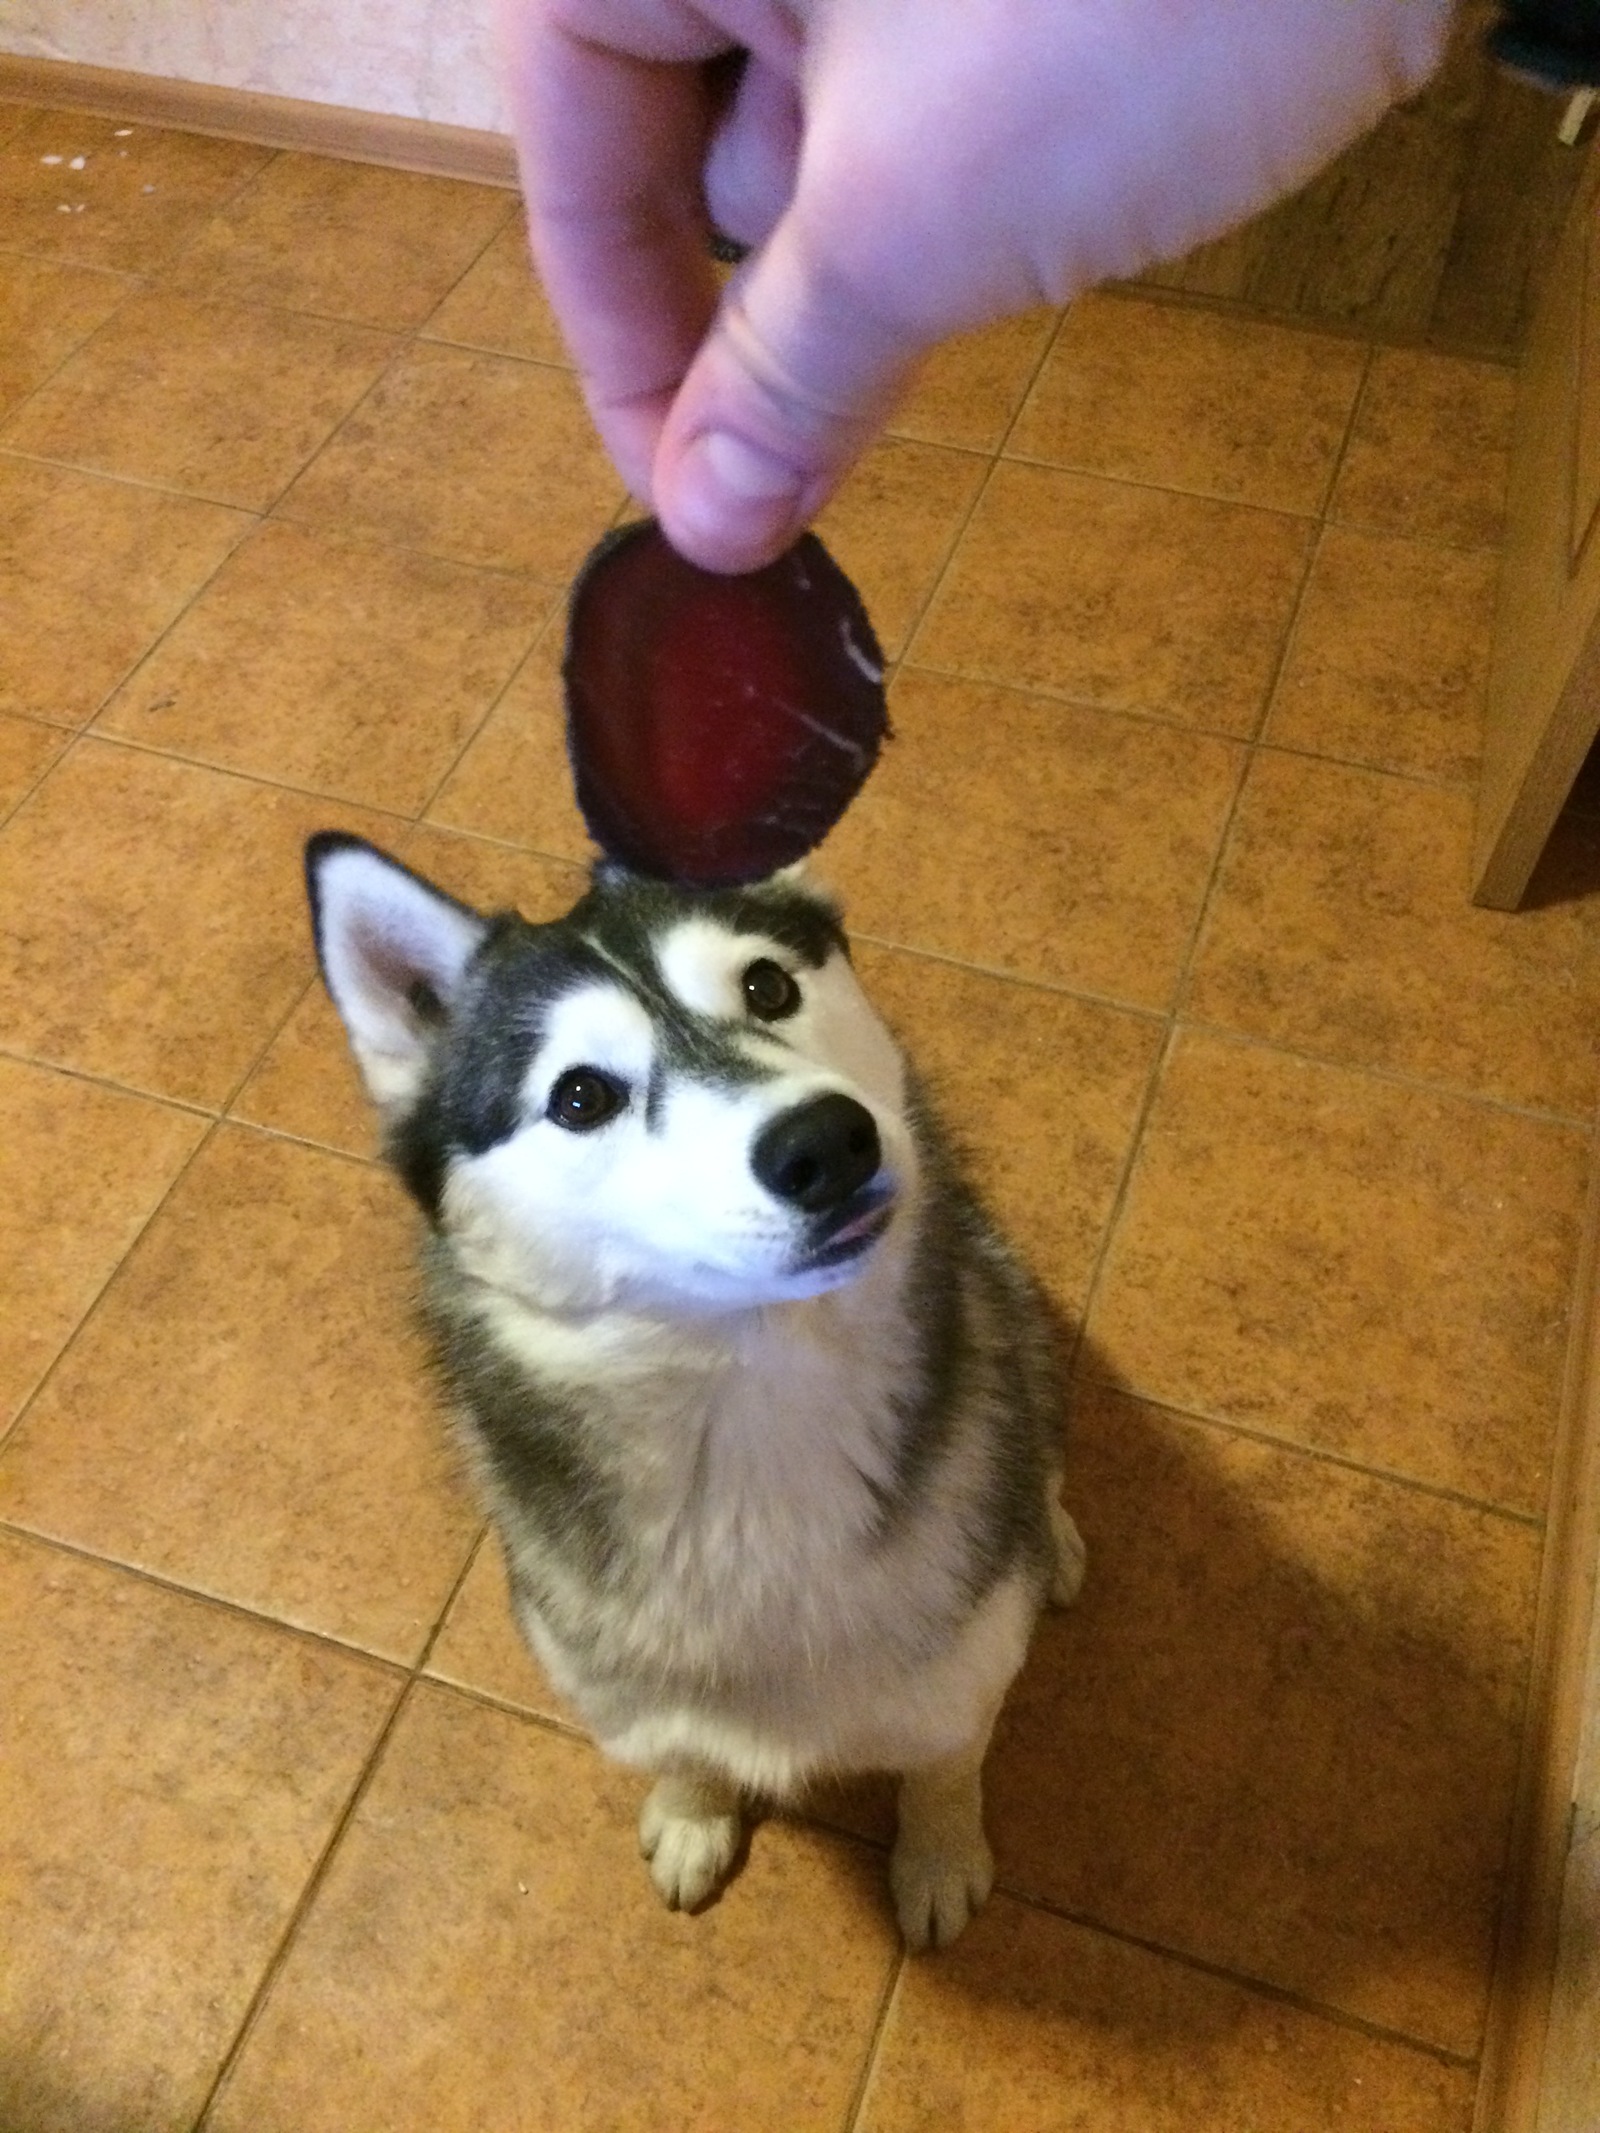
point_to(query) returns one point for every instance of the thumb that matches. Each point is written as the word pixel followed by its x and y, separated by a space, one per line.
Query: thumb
pixel 795 378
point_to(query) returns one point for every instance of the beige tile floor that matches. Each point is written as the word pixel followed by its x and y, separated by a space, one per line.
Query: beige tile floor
pixel 1164 878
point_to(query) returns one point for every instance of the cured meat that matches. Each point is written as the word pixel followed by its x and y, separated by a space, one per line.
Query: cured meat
pixel 718 726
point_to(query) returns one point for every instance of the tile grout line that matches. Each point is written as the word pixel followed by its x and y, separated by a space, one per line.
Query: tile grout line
pixel 1269 694
pixel 1185 962
pixel 552 619
pixel 220 206
pixel 1393 1077
pixel 240 1610
pixel 1311 516
pixel 300 1140
pixel 91 472
pixel 1260 1987
pixel 1198 1419
pixel 91 1310
pixel 855 2114
pixel 257 778
pixel 952 548
pixel 286 310
pixel 140 286
pixel 146 279
pixel 542 1721
pixel 245 533
pixel 409 1677
pixel 419 334
pixel 1146 715
pixel 273 1968
pixel 1124 1185
pixel 1026 981
pixel 70 266
pixel 278 1961
pixel 107 1081
pixel 353 537
pixel 1317 324
pixel 1042 694
pixel 8 814
pixel 896 666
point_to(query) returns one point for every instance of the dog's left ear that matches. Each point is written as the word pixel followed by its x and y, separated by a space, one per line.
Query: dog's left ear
pixel 392 949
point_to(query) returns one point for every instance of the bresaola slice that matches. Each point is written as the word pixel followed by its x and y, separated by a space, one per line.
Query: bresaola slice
pixel 718 726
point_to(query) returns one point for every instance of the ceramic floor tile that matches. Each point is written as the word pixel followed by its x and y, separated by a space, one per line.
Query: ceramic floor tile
pixel 26 752
pixel 306 1083
pixel 1136 599
pixel 81 1170
pixel 355 670
pixel 514 781
pixel 1226 407
pixel 1389 663
pixel 970 387
pixel 1041 1091
pixel 1340 925
pixel 474 458
pixel 156 926
pixel 47 309
pixel 492 877
pixel 346 240
pixel 1348 1263
pixel 894 523
pixel 250 1412
pixel 221 401
pixel 1279 1731
pixel 499 305
pixel 480 1648
pixel 171 1775
pixel 91 573
pixel 1037 838
pixel 1031 2022
pixel 487 1949
pixel 1430 449
pixel 139 194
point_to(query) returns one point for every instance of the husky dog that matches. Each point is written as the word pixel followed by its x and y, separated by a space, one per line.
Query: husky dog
pixel 766 1414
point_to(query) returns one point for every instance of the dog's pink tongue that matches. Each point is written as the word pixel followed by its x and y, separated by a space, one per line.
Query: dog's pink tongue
pixel 718 727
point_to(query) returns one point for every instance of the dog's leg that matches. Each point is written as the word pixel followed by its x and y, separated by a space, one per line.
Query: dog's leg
pixel 941 1869
pixel 1071 1555
pixel 689 1831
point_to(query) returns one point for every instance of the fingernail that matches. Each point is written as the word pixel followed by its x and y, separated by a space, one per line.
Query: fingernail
pixel 731 495
pixel 745 471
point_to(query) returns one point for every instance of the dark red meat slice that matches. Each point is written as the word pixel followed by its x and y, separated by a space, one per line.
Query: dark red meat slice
pixel 718 727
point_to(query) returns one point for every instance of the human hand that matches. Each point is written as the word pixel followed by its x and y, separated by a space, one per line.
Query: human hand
pixel 903 169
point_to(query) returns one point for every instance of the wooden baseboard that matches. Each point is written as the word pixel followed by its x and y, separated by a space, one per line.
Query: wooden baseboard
pixel 1512 2084
pixel 273 121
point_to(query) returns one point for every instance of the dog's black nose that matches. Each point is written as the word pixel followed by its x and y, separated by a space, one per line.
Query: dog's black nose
pixel 818 1154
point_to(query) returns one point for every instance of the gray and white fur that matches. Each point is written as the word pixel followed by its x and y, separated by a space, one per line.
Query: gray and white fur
pixel 767 1415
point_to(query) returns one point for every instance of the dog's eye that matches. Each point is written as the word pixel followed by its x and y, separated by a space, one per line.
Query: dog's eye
pixel 769 991
pixel 584 1099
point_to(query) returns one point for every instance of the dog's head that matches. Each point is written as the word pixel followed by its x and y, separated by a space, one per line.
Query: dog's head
pixel 668 1098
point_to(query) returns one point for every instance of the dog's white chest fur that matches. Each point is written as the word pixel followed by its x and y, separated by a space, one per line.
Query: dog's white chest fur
pixel 752 1462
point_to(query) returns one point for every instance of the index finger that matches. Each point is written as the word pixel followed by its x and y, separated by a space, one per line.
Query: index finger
pixel 611 146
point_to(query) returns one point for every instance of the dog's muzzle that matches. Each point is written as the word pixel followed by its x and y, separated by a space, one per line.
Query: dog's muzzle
pixel 823 1158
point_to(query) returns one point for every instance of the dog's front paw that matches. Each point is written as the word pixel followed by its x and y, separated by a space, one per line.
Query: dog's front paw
pixel 691 1853
pixel 937 1893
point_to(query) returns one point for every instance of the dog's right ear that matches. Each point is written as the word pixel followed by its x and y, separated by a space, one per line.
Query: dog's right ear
pixel 392 949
